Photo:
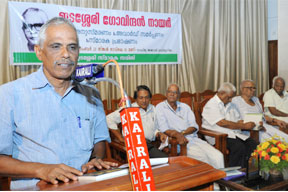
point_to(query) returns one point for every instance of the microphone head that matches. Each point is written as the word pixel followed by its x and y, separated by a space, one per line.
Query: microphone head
pixel 96 69
pixel 88 71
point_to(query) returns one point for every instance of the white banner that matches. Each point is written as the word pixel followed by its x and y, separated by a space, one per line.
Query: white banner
pixel 126 36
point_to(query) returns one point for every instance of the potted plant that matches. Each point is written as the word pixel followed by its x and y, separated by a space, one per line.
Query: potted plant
pixel 273 156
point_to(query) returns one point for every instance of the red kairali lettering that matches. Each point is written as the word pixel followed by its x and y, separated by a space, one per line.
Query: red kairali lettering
pixel 88 19
pixel 137 153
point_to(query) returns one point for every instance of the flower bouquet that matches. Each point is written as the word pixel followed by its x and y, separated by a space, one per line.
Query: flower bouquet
pixel 272 154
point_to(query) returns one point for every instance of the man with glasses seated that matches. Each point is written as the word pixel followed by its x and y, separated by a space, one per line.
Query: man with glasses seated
pixel 33 19
pixel 219 114
pixel 276 100
pixel 248 104
pixel 142 95
pixel 177 120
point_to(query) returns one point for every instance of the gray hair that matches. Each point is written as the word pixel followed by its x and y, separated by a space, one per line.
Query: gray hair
pixel 53 21
pixel 175 85
pixel 227 88
pixel 245 81
pixel 275 78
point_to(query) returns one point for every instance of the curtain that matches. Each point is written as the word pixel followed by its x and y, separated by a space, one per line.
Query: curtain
pixel 223 40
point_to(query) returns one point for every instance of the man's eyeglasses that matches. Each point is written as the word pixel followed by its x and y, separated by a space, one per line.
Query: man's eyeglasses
pixel 72 48
pixel 32 27
pixel 251 88
pixel 172 92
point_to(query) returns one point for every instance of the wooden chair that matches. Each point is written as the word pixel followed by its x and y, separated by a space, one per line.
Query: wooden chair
pixel 157 98
pixel 115 103
pixel 261 100
pixel 5 183
pixel 220 138
pixel 118 149
pixel 105 106
pixel 260 97
pixel 207 94
pixel 188 98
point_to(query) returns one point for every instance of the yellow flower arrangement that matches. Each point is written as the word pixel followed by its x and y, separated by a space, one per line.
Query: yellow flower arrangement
pixel 272 154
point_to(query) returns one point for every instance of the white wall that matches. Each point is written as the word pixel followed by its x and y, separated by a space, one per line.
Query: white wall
pixel 272 20
pixel 283 39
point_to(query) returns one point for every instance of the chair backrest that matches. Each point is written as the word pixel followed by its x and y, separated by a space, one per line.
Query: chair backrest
pixel 157 98
pixel 261 100
pixel 188 98
pixel 105 106
pixel 198 109
pixel 115 103
pixel 5 183
pixel 205 94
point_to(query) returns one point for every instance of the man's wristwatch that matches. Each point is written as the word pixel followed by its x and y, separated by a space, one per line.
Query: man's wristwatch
pixel 183 132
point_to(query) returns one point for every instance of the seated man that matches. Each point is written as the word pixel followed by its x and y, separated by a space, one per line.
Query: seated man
pixel 219 114
pixel 177 120
pixel 276 100
pixel 147 112
pixel 53 127
pixel 248 103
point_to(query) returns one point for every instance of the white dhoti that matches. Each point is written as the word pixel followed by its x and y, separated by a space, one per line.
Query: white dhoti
pixel 202 151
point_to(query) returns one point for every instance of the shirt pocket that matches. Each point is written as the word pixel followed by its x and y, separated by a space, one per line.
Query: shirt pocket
pixel 84 135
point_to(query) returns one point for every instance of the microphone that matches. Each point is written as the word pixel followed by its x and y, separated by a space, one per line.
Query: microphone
pixel 88 72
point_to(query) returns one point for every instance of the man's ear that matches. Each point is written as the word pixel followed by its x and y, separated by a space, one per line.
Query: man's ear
pixel 38 52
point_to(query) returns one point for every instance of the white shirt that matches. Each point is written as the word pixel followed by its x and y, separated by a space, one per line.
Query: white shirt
pixel 147 117
pixel 257 108
pixel 245 107
pixel 272 99
pixel 179 119
pixel 215 111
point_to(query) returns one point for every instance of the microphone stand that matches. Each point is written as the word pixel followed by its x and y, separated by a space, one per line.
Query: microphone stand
pixel 95 80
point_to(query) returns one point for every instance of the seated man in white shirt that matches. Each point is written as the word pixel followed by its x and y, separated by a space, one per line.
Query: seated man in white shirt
pixel 248 103
pixel 177 120
pixel 276 100
pixel 147 111
pixel 219 114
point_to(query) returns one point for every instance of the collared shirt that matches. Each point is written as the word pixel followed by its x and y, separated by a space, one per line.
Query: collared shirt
pixel 179 119
pixel 215 111
pixel 39 125
pixel 245 107
pixel 272 99
pixel 147 117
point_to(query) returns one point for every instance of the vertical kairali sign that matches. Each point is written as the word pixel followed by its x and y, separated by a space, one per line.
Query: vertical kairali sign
pixel 137 152
pixel 128 37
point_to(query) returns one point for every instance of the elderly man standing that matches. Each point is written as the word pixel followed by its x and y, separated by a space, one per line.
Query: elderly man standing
pixel 147 111
pixel 53 127
pixel 219 114
pixel 177 120
pixel 248 103
pixel 276 100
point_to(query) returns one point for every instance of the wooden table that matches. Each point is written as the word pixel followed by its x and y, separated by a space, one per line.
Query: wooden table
pixel 182 173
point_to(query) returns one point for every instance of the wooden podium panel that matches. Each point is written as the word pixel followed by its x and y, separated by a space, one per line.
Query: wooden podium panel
pixel 182 173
